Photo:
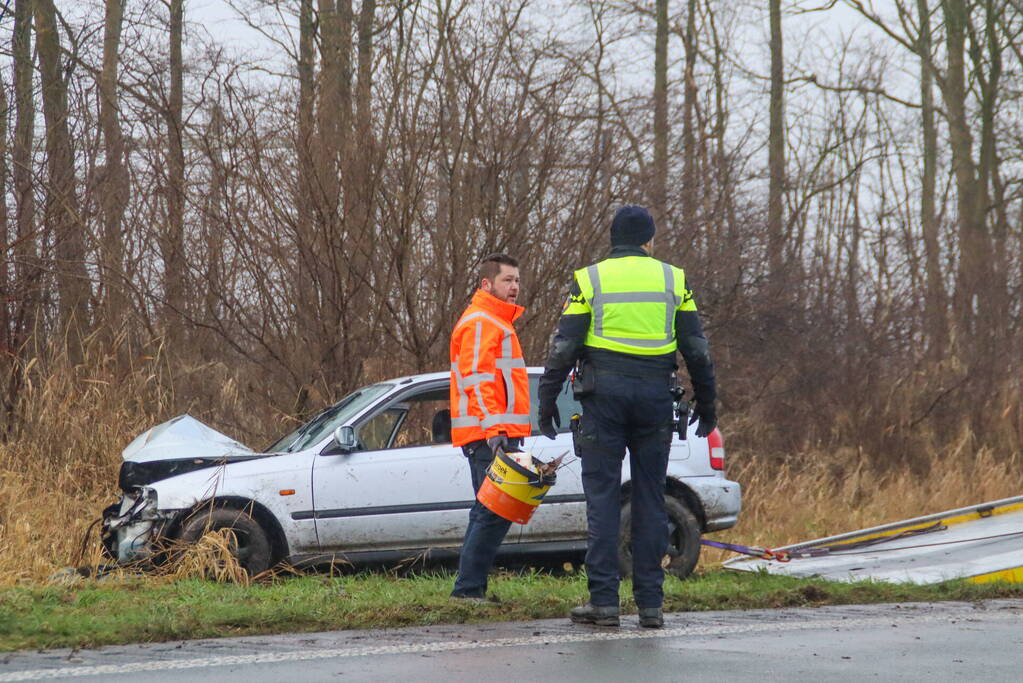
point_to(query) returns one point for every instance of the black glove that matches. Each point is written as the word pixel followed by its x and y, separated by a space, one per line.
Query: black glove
pixel 547 416
pixel 499 441
pixel 708 417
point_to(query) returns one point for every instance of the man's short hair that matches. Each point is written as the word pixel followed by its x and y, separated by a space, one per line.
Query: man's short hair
pixel 491 265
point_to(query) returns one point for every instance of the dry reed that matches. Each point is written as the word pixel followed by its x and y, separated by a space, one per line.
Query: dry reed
pixel 60 458
pixel 209 558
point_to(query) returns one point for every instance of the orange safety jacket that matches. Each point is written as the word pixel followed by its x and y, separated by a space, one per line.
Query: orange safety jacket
pixel 489 382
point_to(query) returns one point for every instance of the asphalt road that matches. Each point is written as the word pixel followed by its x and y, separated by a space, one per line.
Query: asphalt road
pixel 902 642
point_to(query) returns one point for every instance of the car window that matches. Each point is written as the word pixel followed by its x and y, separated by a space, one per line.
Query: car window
pixel 424 418
pixel 567 406
pixel 377 433
pixel 418 419
pixel 330 419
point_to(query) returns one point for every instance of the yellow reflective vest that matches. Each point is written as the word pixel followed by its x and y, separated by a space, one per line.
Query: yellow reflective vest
pixel 632 302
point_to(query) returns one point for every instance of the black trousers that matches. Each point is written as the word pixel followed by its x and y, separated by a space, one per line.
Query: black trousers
pixel 635 414
pixel 486 530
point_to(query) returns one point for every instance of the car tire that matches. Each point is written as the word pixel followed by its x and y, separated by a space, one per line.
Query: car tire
pixel 683 539
pixel 253 546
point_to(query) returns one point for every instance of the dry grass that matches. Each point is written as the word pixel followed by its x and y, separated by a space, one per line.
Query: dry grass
pixel 60 458
pixel 210 558
pixel 58 468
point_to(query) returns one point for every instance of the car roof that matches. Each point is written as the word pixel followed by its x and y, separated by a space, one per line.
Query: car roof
pixel 434 376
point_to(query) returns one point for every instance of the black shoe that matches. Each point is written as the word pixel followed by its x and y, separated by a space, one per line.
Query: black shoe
pixel 591 614
pixel 651 617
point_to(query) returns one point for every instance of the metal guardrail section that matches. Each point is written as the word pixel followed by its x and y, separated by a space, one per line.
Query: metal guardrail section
pixel 980 542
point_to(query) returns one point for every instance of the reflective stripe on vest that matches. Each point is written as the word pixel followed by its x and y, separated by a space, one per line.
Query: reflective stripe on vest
pixel 599 301
pixel 502 419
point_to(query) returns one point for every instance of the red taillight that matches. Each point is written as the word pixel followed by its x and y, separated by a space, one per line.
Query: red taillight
pixel 717 450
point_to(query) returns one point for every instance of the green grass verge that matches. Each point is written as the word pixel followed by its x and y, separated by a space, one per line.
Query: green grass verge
pixel 94 613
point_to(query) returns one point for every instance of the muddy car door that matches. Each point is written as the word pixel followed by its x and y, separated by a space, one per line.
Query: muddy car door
pixel 403 486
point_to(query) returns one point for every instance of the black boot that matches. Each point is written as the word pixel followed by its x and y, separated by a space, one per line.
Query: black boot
pixel 591 614
pixel 651 617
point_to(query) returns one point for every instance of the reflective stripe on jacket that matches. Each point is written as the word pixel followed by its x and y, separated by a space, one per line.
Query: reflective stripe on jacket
pixel 632 301
pixel 489 382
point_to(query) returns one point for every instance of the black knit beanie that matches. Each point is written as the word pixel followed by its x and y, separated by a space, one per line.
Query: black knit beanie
pixel 632 225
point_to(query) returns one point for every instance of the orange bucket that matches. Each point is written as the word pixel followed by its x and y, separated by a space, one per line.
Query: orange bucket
pixel 511 491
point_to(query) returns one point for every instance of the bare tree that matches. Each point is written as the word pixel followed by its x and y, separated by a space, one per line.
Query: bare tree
pixel 937 325
pixel 776 153
pixel 974 240
pixel 5 246
pixel 690 190
pixel 28 275
pixel 62 205
pixel 986 59
pixel 114 197
pixel 333 48
pixel 363 175
pixel 659 182
pixel 172 242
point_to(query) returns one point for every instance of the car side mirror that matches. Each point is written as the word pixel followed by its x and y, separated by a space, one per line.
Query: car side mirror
pixel 344 441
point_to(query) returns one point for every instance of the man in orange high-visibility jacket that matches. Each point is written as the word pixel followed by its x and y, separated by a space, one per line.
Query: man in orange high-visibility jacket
pixel 489 406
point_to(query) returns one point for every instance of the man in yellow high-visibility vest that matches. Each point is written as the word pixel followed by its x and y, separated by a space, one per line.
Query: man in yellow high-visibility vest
pixel 624 320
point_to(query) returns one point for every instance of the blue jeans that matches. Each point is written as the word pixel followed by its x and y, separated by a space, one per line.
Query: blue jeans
pixel 485 532
pixel 631 413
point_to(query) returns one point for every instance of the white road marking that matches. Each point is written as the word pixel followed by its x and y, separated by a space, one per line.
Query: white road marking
pixel 462 644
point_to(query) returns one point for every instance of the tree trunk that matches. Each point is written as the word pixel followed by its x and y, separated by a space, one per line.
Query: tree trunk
pixel 329 119
pixel 724 240
pixel 306 122
pixel 304 276
pixel 362 178
pixel 364 84
pixel 973 238
pixel 344 75
pixel 5 273
pixel 934 297
pixel 114 190
pixel 450 226
pixel 334 119
pixel 659 184
pixel 776 155
pixel 854 336
pixel 62 210
pixel 27 271
pixel 328 193
pixel 172 247
pixel 216 219
pixel 993 302
pixel 690 192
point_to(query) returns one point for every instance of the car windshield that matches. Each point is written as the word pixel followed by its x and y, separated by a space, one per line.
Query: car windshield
pixel 329 420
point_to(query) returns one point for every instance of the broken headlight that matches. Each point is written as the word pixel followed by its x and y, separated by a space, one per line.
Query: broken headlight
pixel 130 527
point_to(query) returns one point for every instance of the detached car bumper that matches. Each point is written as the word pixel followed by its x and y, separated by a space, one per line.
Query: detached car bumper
pixel 132 526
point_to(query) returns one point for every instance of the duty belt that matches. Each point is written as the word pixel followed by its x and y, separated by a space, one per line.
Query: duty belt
pixel 661 375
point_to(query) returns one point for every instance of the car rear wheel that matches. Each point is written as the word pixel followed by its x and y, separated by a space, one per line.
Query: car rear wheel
pixel 683 539
pixel 251 546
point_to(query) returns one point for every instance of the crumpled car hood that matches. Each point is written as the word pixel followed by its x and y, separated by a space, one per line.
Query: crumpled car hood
pixel 180 445
pixel 182 437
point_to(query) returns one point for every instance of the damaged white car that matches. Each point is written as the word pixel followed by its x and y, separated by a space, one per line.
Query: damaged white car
pixel 375 478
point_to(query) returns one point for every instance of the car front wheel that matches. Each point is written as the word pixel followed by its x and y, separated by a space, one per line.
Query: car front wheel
pixel 683 550
pixel 251 546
